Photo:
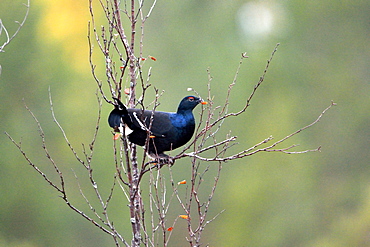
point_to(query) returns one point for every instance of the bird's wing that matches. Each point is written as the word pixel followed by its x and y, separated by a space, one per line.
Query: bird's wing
pixel 159 126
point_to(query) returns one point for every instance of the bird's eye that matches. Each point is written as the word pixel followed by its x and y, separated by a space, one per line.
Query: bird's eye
pixel 191 99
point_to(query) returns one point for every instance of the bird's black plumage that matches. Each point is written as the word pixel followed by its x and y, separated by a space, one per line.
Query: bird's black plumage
pixel 168 130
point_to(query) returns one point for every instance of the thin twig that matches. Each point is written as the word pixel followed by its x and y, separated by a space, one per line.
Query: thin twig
pixel 63 132
pixel 20 25
pixel 246 152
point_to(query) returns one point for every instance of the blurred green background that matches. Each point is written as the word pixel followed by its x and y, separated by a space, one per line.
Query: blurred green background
pixel 271 199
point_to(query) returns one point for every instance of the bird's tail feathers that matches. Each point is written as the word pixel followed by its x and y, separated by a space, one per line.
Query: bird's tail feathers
pixel 120 106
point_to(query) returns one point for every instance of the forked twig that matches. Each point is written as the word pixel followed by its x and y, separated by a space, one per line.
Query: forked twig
pixel 249 152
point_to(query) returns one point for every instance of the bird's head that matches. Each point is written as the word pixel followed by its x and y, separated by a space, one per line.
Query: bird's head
pixel 189 103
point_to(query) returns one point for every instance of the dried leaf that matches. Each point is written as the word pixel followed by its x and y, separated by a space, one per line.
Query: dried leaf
pixel 116 136
pixel 183 216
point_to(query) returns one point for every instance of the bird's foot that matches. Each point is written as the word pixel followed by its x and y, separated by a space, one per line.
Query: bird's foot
pixel 162 159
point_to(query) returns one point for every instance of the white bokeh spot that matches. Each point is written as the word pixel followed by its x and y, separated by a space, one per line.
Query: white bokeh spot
pixel 260 19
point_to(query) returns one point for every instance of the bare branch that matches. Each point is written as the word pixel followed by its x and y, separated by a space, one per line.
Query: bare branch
pixel 270 148
pixel 262 78
pixel 19 146
pixel 63 132
pixel 60 189
pixel 9 37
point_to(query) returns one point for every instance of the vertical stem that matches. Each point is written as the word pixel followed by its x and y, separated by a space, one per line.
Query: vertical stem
pixel 135 199
pixel 132 169
pixel 135 196
pixel 132 61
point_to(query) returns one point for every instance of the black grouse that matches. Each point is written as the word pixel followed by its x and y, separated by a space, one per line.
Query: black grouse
pixel 168 130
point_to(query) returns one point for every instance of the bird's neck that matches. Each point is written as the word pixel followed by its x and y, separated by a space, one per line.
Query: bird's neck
pixel 184 111
pixel 183 119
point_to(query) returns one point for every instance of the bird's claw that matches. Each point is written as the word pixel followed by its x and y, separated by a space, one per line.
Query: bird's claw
pixel 165 161
pixel 162 159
